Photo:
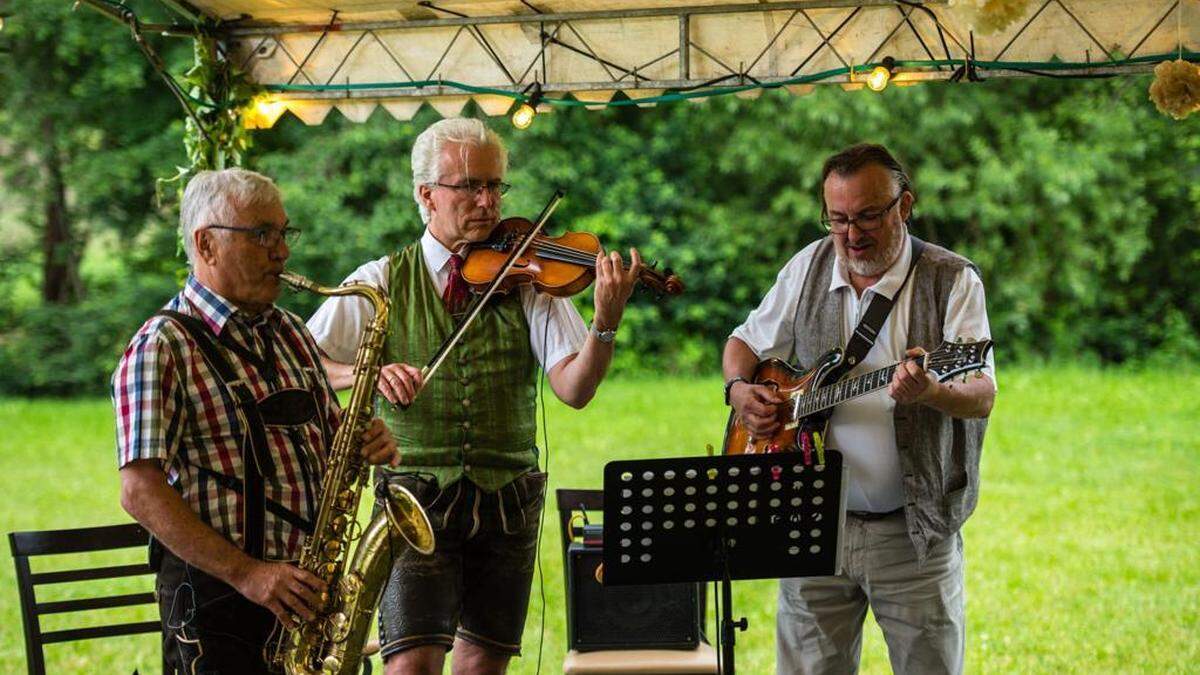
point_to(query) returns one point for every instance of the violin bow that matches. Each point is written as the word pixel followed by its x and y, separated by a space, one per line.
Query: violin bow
pixel 476 307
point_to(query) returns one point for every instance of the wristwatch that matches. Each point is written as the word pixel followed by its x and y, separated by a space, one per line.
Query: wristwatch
pixel 605 336
pixel 729 385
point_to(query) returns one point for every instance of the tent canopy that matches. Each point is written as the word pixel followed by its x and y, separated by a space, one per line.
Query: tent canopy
pixel 314 55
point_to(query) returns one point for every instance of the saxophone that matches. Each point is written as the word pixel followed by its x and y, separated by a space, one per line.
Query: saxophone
pixel 333 642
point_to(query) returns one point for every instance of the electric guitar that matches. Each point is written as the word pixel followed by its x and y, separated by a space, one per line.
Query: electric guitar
pixel 811 398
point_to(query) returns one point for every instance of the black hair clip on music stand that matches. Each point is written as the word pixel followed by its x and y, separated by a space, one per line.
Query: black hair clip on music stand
pixel 722 518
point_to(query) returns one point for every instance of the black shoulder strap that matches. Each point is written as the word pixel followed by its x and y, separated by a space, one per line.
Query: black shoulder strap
pixel 872 322
pixel 203 337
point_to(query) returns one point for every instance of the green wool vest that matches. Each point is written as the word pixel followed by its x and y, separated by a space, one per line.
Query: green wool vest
pixel 476 415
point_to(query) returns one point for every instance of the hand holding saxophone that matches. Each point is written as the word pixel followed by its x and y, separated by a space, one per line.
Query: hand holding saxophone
pixel 378 445
pixel 286 590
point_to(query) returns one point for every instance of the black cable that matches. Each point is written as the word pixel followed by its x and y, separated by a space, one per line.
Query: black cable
pixel 542 516
pixel 720 625
pixel 709 83
pixel 124 14
pixel 936 22
pixel 1065 76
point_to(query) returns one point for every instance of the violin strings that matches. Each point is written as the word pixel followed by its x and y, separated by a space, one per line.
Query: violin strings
pixel 559 252
pixel 569 254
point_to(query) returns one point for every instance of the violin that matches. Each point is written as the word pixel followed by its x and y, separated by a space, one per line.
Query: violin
pixel 558 266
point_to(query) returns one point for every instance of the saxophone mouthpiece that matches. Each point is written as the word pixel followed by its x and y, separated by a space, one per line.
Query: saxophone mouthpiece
pixel 297 282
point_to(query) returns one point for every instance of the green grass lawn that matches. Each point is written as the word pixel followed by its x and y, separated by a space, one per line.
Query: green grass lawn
pixel 1082 556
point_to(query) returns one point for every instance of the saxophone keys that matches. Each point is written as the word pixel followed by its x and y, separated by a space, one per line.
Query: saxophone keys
pixel 349 588
pixel 337 626
pixel 333 548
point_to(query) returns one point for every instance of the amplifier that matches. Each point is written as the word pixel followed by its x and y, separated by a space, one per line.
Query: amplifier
pixel 657 616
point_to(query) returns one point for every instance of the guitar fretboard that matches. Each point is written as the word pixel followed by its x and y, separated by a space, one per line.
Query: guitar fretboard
pixel 843 390
pixel 948 360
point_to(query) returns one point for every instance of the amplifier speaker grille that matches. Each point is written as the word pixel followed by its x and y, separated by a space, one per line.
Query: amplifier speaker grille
pixel 658 616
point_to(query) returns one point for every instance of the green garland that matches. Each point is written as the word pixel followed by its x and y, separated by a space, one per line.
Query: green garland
pixel 220 93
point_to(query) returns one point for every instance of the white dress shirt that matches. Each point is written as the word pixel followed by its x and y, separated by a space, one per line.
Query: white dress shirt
pixel 862 428
pixel 556 330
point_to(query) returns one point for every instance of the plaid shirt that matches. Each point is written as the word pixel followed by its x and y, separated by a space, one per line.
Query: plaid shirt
pixel 172 407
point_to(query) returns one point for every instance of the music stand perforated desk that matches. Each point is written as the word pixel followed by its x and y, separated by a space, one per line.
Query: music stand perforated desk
pixel 723 518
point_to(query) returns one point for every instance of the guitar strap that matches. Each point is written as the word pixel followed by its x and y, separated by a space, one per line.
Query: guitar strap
pixel 877 312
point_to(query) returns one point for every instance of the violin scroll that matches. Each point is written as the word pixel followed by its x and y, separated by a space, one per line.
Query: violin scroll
pixel 662 283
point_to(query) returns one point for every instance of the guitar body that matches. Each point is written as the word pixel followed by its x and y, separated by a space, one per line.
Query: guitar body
pixel 812 394
pixel 787 381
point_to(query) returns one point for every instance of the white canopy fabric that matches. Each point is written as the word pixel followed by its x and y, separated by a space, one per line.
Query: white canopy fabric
pixel 399 55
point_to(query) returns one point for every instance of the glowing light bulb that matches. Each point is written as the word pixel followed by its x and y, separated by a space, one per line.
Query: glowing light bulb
pixel 523 116
pixel 881 75
pixel 879 78
pixel 263 113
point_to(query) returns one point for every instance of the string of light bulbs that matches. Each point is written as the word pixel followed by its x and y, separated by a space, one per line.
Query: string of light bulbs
pixel 878 76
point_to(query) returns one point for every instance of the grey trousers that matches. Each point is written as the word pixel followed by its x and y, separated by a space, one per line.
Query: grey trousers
pixel 920 609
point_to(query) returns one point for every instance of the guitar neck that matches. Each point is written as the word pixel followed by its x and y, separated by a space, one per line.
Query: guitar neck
pixel 948 360
pixel 824 398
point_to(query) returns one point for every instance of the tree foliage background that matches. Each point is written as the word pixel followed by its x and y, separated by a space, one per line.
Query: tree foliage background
pixel 1078 201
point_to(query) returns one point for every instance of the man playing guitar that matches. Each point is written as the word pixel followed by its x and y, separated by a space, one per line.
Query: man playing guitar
pixel 912 448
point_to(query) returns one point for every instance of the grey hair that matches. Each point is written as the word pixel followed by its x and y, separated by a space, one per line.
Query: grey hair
pixel 852 159
pixel 214 197
pixel 427 150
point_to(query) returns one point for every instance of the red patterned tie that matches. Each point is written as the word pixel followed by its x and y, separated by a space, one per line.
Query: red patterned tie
pixel 455 295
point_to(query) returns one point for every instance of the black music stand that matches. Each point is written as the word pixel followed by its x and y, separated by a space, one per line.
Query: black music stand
pixel 723 518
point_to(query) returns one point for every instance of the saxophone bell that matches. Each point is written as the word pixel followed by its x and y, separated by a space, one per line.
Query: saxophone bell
pixel 407 517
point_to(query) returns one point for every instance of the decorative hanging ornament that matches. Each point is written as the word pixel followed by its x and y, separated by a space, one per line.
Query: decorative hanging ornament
pixel 1176 88
pixel 990 16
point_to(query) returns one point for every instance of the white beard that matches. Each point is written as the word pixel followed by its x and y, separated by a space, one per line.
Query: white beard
pixel 880 263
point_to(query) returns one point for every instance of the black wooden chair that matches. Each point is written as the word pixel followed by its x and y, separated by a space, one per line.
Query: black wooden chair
pixel 82 540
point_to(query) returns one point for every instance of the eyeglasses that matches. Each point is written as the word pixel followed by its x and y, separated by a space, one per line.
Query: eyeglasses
pixel 265 235
pixel 476 187
pixel 866 221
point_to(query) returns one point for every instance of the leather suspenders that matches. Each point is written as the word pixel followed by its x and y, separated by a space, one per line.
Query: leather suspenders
pixel 256 455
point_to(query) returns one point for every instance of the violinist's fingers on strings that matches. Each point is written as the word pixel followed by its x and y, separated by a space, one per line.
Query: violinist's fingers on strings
pixel 635 263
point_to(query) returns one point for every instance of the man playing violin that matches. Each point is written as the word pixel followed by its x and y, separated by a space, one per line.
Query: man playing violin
pixel 912 449
pixel 469 437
